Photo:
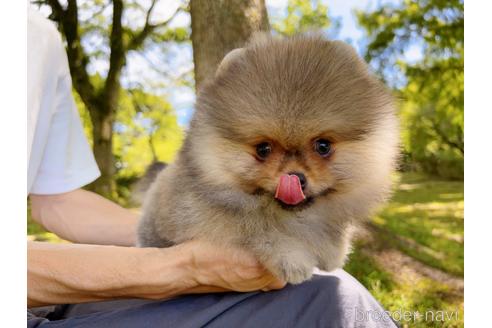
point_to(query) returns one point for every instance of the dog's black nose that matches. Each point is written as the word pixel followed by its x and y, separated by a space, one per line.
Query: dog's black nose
pixel 302 179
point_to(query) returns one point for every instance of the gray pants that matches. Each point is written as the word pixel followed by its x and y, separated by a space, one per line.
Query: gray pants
pixel 332 299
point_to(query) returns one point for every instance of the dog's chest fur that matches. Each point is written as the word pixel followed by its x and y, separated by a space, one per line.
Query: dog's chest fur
pixel 178 210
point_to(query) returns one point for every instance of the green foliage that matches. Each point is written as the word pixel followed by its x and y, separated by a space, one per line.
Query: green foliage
pixel 433 87
pixel 303 16
pixel 178 34
pixel 433 118
pixel 146 130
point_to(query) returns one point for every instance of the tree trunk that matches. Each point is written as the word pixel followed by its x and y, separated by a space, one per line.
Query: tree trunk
pixel 102 133
pixel 102 103
pixel 220 26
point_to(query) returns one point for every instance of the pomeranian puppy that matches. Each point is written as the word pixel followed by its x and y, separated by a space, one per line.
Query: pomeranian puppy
pixel 291 146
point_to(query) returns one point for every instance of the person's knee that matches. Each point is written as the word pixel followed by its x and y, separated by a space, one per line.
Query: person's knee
pixel 348 299
pixel 334 284
pixel 316 302
pixel 324 284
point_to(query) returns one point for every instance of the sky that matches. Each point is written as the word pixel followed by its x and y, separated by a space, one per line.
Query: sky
pixel 158 68
pixel 349 31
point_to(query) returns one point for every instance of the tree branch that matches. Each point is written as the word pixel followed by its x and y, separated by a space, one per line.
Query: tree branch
pixel 447 140
pixel 148 28
pixel 77 59
pixel 56 8
pixel 151 143
pixel 117 55
pixel 149 12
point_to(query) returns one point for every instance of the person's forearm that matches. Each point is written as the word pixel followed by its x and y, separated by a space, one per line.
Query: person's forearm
pixel 84 217
pixel 71 273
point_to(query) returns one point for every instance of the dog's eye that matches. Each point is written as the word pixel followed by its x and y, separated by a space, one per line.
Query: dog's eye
pixel 263 150
pixel 322 147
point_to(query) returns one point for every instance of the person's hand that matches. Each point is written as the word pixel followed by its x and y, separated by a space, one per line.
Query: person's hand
pixel 76 273
pixel 218 269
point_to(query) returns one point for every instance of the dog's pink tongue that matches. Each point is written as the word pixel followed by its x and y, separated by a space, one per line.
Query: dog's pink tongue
pixel 289 190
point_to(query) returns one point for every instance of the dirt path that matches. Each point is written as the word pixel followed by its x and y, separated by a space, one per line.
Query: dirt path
pixel 403 266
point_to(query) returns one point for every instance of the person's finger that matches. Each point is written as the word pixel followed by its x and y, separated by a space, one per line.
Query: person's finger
pixel 276 284
pixel 256 283
pixel 208 289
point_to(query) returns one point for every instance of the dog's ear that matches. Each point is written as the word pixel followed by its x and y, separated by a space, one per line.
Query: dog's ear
pixel 231 57
pixel 347 51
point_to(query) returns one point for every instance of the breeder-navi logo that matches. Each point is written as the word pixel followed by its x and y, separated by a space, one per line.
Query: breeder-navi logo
pixel 404 316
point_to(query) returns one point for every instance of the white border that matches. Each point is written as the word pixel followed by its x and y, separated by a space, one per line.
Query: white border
pixel 13 138
pixel 478 162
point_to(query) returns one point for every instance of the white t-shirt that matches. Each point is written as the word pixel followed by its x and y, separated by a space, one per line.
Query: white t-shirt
pixel 59 158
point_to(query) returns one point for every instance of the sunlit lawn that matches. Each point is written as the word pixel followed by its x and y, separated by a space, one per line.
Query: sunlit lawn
pixel 428 216
pixel 424 220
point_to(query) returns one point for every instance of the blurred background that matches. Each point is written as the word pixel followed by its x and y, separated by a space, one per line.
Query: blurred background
pixel 136 65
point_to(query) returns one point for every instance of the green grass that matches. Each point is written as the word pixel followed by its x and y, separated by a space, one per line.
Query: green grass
pixel 399 295
pixel 427 216
pixel 423 220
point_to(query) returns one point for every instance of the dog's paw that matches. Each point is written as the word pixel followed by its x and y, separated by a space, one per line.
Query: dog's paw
pixel 294 273
pixel 292 270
